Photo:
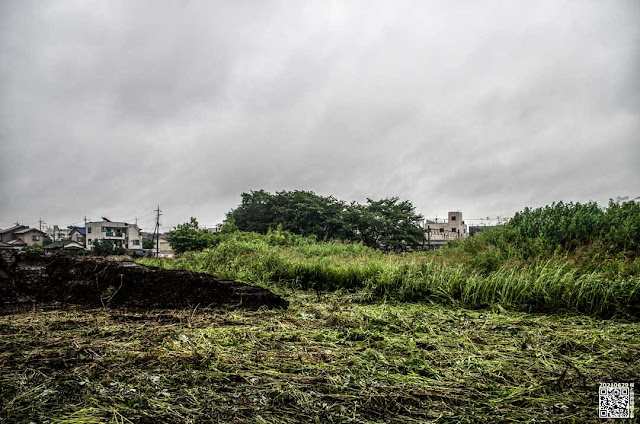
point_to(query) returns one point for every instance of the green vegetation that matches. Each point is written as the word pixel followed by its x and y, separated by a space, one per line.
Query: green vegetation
pixel 106 247
pixel 564 257
pixel 386 224
pixel 325 359
pixel 517 324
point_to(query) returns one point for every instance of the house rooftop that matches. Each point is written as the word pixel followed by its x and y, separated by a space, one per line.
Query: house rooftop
pixel 81 230
pixel 12 229
pixel 56 244
pixel 16 242
pixel 28 230
pixel 64 244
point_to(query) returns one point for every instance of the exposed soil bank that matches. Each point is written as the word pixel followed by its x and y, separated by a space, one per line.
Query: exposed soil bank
pixel 30 277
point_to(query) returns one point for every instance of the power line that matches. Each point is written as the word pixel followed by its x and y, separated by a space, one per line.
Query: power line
pixel 156 231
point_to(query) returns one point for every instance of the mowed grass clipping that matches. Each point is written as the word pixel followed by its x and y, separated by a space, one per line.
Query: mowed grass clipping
pixel 324 360
pixel 448 277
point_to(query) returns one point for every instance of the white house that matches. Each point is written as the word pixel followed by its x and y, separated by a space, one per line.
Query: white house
pixel 77 234
pixel 121 233
pixel 440 231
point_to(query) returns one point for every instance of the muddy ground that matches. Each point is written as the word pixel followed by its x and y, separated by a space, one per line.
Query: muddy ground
pixel 33 278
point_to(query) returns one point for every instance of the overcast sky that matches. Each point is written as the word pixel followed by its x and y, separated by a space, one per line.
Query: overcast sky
pixel 111 108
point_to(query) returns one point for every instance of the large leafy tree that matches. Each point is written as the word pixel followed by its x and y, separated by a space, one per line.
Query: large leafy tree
pixel 387 224
pixel 392 224
pixel 301 212
pixel 107 247
pixel 188 236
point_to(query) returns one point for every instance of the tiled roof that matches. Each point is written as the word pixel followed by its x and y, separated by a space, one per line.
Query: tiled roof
pixel 81 230
pixel 28 230
pixel 16 242
pixel 64 244
pixel 12 229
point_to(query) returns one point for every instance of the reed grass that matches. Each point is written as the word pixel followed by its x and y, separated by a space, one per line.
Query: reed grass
pixel 452 276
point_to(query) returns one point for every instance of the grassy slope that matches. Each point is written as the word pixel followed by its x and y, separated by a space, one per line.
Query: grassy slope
pixel 474 274
pixel 326 359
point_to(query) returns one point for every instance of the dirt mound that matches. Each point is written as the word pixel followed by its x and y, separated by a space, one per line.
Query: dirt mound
pixel 31 277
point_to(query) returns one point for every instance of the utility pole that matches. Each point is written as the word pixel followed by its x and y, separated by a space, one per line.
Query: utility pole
pixel 157 230
pixel 85 231
pixel 40 224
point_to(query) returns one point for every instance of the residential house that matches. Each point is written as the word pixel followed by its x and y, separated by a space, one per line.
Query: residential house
pixel 22 236
pixel 8 233
pixel 31 236
pixel 77 234
pixel 121 234
pixel 164 248
pixel 68 244
pixel 13 244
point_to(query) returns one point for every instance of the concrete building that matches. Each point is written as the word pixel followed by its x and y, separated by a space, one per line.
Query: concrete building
pixel 121 234
pixel 440 231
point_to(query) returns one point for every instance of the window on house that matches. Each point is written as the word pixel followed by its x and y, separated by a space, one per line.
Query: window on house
pixel 35 238
pixel 90 242
pixel 89 230
pixel 453 218
pixel 442 230
pixel 104 229
pixel 136 242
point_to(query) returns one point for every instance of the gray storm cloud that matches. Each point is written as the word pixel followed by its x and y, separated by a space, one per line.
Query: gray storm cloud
pixel 112 108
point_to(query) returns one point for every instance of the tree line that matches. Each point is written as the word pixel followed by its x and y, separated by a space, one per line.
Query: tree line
pixel 387 224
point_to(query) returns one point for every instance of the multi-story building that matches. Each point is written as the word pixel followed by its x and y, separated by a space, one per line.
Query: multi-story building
pixel 121 234
pixel 440 231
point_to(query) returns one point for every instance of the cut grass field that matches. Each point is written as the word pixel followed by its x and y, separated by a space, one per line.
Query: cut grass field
pixel 324 360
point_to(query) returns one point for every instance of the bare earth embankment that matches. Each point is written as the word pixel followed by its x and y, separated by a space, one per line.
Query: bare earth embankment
pixel 35 279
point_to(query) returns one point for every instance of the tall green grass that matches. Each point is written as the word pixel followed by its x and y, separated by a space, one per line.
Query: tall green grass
pixel 462 275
